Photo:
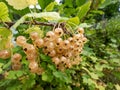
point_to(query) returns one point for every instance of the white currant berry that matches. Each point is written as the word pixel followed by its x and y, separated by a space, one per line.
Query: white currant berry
pixel 33 65
pixel 39 42
pixel 80 30
pixel 21 40
pixel 58 31
pixel 56 60
pixel 52 53
pixel 50 35
pixel 16 66
pixel 16 58
pixel 77 37
pixel 66 44
pixel 58 42
pixel 34 35
pixel 4 54
pixel 29 48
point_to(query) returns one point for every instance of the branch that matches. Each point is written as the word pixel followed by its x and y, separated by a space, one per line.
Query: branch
pixel 33 23
pixel 62 25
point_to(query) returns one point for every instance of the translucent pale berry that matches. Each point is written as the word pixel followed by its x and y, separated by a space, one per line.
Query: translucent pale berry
pixel 40 71
pixel 58 42
pixel 34 35
pixel 77 37
pixel 21 40
pixel 50 35
pixel 71 40
pixel 4 54
pixel 84 39
pixel 66 44
pixel 31 56
pixel 76 45
pixel 59 50
pixel 52 53
pixel 80 30
pixel 56 60
pixel 29 48
pixel 33 65
pixel 16 66
pixel 39 42
pixel 58 31
pixel 49 45
pixel 63 59
pixel 16 58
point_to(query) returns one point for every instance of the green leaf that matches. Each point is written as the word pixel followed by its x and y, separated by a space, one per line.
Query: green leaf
pixel 1 64
pixel 21 4
pixel 88 81
pixel 80 2
pixel 101 87
pixel 62 76
pixel 85 25
pixel 51 67
pixel 74 20
pixel 58 74
pixel 108 2
pixel 4 16
pixel 50 7
pixel 44 3
pixel 14 74
pixel 45 58
pixel 28 82
pixel 5 38
pixel 93 75
pixel 82 11
pixel 1 70
pixel 47 77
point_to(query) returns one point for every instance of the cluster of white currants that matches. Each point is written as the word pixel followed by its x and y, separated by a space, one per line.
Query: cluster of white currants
pixel 31 54
pixel 64 52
